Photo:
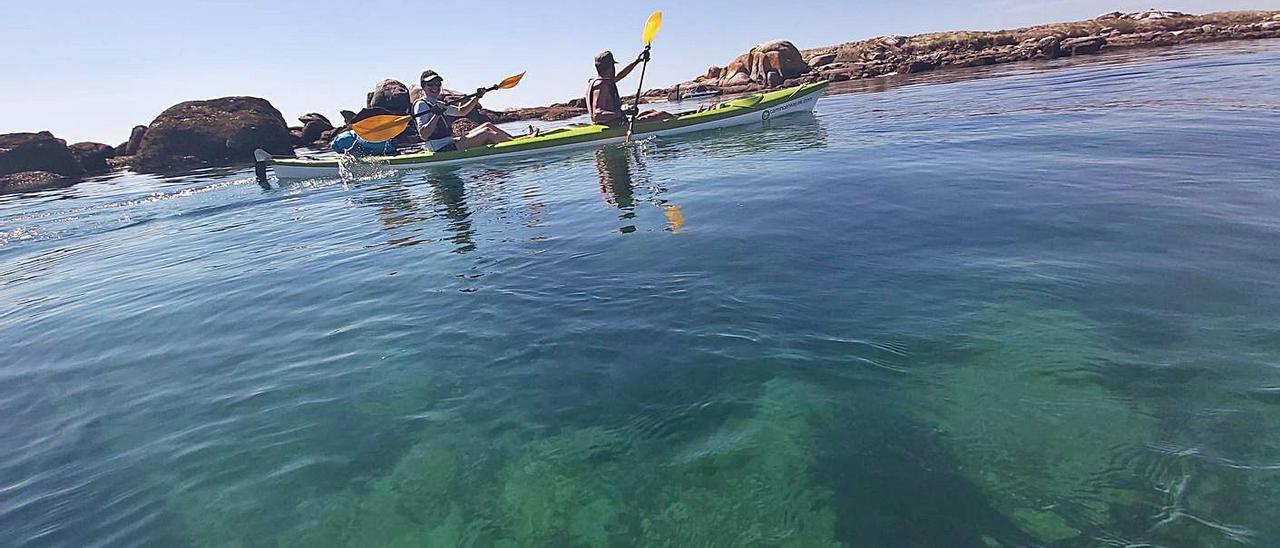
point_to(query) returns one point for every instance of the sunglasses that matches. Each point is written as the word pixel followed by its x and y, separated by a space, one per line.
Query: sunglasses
pixel 435 84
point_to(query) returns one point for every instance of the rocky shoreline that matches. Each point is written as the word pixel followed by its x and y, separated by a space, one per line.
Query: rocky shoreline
pixel 225 131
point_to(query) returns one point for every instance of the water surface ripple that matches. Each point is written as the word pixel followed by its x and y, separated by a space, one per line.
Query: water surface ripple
pixel 1039 308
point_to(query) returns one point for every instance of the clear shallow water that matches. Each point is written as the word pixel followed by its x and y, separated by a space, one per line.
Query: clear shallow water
pixel 1037 309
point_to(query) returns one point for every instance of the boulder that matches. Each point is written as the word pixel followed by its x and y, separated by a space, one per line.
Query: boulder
pixel 135 140
pixel 314 126
pixel 737 79
pixel 1109 16
pixel 714 72
pixel 835 76
pixel 1083 45
pixel 314 117
pixel 391 95
pixel 916 66
pixel 778 56
pixel 1049 46
pixel 32 180
pixel 821 59
pixel 773 79
pixel 214 132
pixel 93 156
pixel 42 151
pixel 1155 15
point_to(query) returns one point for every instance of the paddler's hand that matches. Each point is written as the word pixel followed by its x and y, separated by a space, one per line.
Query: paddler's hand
pixel 644 55
pixel 437 109
pixel 631 111
pixel 480 92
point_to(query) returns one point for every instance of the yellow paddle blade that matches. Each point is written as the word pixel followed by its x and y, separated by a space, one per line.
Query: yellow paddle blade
pixel 381 128
pixel 651 27
pixel 510 82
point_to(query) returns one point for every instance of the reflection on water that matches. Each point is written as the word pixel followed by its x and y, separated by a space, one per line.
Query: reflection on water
pixel 450 195
pixel 616 182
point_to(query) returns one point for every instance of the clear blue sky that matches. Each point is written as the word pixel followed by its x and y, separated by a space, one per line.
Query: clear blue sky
pixel 92 70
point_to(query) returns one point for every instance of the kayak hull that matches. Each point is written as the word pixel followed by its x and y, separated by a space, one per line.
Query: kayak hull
pixel 748 110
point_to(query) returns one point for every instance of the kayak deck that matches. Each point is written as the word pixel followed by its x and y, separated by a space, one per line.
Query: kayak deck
pixel 764 106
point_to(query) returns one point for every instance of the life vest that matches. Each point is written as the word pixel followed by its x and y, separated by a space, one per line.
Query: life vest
pixel 443 129
pixel 608 92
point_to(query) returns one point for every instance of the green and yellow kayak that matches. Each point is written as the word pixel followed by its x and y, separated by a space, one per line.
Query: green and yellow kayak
pixel 754 108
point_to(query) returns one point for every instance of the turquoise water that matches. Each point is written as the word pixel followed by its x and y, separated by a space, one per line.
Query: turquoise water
pixel 1041 308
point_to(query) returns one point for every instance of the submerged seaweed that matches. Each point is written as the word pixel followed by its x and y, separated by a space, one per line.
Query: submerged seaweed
pixel 747 482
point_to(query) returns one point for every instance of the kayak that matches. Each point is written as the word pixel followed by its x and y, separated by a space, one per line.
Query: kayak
pixel 693 96
pixel 747 110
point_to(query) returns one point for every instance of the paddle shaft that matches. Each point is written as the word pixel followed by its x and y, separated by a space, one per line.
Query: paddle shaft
pixel 632 124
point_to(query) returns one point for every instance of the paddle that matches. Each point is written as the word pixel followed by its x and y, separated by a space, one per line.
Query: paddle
pixel 376 125
pixel 650 30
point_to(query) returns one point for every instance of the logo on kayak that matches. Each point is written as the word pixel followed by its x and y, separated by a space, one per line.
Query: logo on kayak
pixel 767 114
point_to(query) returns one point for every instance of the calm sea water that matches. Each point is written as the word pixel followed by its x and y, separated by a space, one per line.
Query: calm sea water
pixel 1041 308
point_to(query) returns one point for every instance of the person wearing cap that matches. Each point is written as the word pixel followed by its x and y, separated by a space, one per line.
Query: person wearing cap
pixel 431 115
pixel 604 103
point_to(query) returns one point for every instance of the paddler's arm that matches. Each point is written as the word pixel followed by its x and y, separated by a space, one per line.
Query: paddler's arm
pixel 467 107
pixel 627 69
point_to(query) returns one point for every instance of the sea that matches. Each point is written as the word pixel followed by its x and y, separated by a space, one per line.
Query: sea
pixel 1038 305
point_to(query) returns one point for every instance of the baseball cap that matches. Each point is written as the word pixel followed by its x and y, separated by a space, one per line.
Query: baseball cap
pixel 428 76
pixel 605 57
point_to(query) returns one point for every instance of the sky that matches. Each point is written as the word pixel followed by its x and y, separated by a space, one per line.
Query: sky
pixel 91 70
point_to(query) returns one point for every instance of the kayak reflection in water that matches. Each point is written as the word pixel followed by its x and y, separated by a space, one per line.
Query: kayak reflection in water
pixel 604 103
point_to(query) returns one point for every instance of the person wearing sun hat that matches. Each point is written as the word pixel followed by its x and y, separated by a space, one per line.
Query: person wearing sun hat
pixel 432 116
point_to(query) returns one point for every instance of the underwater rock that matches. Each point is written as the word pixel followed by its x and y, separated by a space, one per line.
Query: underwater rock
pixel 1028 424
pixel 748 481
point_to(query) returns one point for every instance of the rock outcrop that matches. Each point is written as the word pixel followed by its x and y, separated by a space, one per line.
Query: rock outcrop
pixel 93 156
pixel 37 152
pixel 214 132
pixel 391 95
pixel 891 55
pixel 31 161
pixel 314 128
pixel 773 61
pixel 135 141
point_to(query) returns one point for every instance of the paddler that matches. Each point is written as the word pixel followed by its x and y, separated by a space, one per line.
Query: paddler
pixel 430 114
pixel 604 103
